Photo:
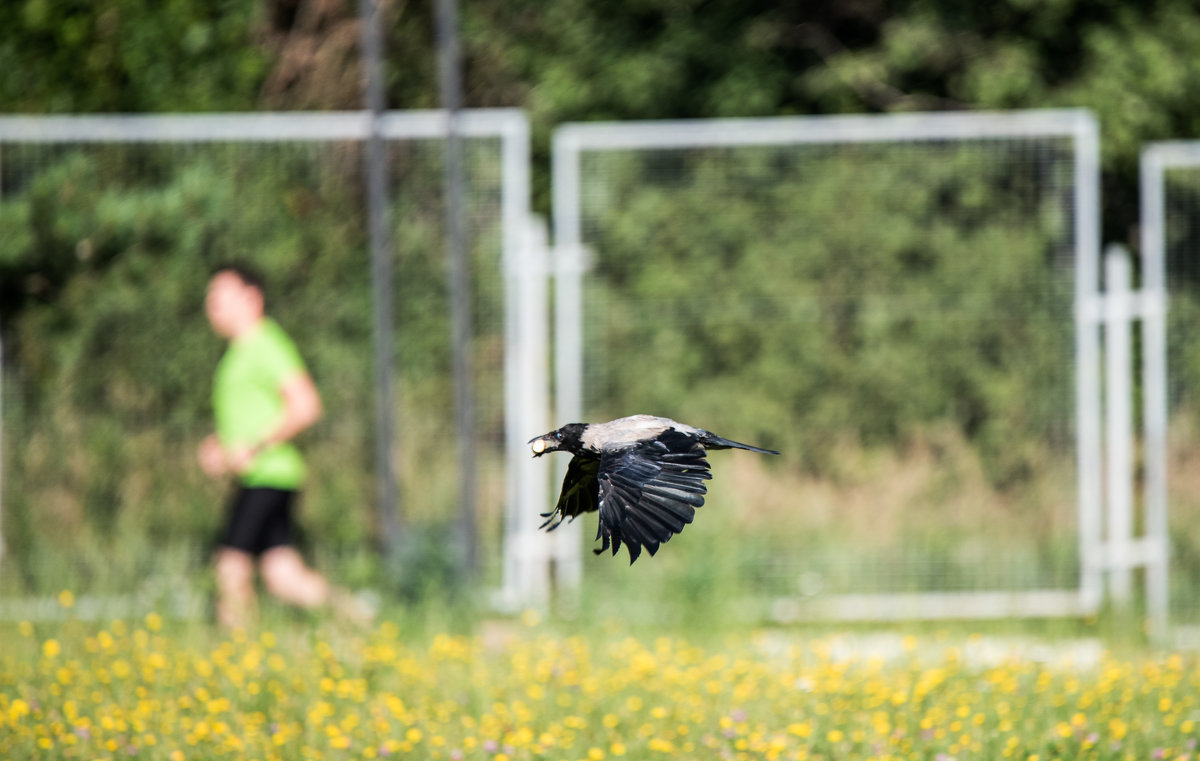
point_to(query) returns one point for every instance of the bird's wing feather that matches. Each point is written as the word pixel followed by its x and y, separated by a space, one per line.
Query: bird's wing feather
pixel 649 492
pixel 580 492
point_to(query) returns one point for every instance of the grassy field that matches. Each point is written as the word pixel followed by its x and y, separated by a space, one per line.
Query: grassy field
pixel 523 688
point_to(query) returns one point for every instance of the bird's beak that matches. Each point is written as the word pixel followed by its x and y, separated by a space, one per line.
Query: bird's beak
pixel 539 445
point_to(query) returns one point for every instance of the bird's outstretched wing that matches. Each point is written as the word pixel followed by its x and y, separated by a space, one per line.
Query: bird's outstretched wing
pixel 649 492
pixel 580 492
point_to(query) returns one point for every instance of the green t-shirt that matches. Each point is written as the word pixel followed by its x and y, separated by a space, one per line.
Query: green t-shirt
pixel 248 403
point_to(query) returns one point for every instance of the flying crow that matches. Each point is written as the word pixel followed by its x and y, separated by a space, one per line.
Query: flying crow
pixel 644 474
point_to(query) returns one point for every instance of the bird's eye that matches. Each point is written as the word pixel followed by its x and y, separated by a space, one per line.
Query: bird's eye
pixel 558 436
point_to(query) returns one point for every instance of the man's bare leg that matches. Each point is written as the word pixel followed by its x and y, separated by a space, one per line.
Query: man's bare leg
pixel 235 587
pixel 288 578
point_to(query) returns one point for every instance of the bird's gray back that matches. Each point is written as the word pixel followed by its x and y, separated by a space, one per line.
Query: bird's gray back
pixel 627 431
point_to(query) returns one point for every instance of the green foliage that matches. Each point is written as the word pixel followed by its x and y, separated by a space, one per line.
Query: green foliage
pixel 1131 63
pixel 129 55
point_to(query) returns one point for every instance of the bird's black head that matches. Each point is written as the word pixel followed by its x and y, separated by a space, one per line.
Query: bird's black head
pixel 568 439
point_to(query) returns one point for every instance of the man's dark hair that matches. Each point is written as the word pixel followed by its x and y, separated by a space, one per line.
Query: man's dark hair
pixel 244 272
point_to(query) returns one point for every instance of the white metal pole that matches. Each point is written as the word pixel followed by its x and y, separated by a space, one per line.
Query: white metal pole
pixel 538 573
pixel 1154 391
pixel 527 375
pixel 525 570
pixel 1119 422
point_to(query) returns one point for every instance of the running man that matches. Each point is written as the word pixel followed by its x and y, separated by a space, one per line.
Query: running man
pixel 263 397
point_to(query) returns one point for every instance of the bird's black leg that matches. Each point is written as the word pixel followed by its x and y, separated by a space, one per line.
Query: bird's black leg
pixel 603 544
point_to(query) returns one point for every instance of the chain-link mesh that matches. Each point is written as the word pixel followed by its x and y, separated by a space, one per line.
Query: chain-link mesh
pixel 1181 246
pixel 896 316
pixel 109 360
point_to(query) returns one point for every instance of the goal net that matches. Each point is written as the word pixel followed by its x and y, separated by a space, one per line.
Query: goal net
pixel 109 227
pixel 890 301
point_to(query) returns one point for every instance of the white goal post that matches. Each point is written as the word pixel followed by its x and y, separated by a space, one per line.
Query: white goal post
pixel 1165 278
pixel 521 266
pixel 573 144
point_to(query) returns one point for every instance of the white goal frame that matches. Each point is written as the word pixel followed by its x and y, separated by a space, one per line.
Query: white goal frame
pixel 1156 159
pixel 571 141
pixel 526 312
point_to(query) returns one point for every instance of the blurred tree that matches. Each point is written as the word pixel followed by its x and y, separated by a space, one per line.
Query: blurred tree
pixel 66 56
pixel 1134 63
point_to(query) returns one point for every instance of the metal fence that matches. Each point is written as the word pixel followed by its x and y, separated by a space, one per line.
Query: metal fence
pixel 1170 242
pixel 107 403
pixel 896 292
pixel 910 307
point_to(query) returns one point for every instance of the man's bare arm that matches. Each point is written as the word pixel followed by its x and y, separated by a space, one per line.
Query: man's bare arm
pixel 301 409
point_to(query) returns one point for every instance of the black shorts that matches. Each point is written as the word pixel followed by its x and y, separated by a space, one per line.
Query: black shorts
pixel 260 518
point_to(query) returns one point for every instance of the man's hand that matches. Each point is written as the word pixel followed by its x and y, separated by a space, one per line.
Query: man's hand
pixel 211 456
pixel 238 459
pixel 216 461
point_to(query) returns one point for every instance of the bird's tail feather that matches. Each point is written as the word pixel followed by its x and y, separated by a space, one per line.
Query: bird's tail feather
pixel 713 441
